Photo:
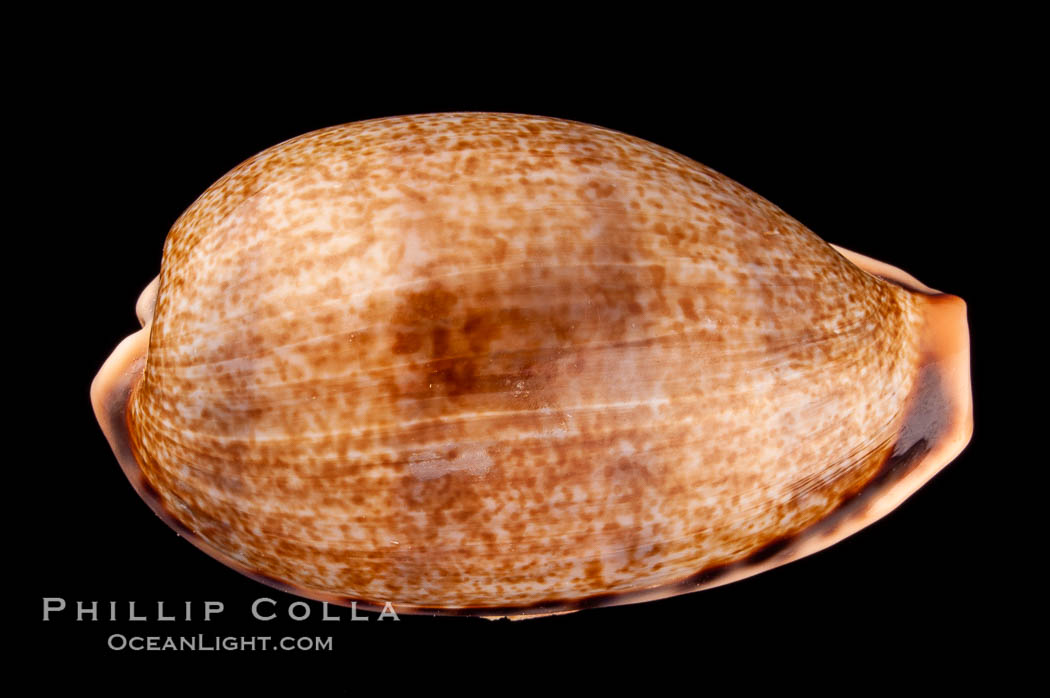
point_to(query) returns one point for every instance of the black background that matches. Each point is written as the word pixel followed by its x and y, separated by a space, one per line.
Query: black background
pixel 890 159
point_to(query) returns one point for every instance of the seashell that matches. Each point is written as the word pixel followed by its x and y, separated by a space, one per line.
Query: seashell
pixel 501 364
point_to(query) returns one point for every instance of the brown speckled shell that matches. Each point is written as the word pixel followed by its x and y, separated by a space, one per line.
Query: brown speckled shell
pixel 505 364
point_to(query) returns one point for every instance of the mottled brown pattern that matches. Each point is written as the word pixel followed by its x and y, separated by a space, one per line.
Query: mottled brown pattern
pixel 491 360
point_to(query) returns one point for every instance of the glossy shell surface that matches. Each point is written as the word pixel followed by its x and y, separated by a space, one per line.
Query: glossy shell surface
pixel 504 364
